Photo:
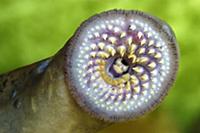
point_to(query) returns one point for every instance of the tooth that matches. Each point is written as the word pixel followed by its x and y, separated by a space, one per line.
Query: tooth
pixel 93 54
pixel 158 55
pixel 112 40
pixel 128 86
pixel 130 40
pixel 111 50
pixel 134 80
pixel 101 45
pixel 103 54
pixel 96 34
pixel 133 57
pixel 104 36
pixel 145 85
pixel 141 50
pixel 132 48
pixel 138 69
pixel 142 60
pixel 144 77
pixel 116 29
pixel 143 41
pixel 151 51
pixel 122 50
pixel 140 34
pixel 117 69
pixel 137 89
pixel 132 27
pixel 110 27
pixel 123 34
pixel 93 46
pixel 152 65
pixel 151 42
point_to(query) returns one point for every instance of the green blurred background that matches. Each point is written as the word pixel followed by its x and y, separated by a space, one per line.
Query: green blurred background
pixel 31 30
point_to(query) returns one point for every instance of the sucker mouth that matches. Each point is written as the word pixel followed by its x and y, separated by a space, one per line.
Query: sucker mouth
pixel 121 64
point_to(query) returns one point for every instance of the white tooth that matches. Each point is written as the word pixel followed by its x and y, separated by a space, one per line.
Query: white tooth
pixel 132 27
pixel 104 36
pixel 140 34
pixel 110 27
pixel 96 34
pixel 116 29
pixel 149 34
pixel 93 46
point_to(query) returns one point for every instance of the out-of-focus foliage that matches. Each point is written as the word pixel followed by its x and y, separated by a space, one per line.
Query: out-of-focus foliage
pixel 31 30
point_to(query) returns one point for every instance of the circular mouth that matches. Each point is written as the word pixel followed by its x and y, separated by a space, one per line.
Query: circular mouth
pixel 122 64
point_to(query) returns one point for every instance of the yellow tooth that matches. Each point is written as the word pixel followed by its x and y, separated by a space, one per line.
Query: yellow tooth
pixel 152 65
pixel 138 69
pixel 130 40
pixel 112 40
pixel 145 85
pixel 142 60
pixel 117 69
pixel 161 61
pixel 141 50
pixel 132 48
pixel 133 57
pixel 134 80
pixel 104 36
pixel 123 34
pixel 93 54
pixel 101 45
pixel 122 50
pixel 151 42
pixel 140 34
pixel 158 55
pixel 151 51
pixel 143 41
pixel 103 54
pixel 137 89
pixel 111 50
pixel 128 86
pixel 144 77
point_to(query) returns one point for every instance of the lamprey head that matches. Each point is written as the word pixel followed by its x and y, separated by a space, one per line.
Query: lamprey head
pixel 120 64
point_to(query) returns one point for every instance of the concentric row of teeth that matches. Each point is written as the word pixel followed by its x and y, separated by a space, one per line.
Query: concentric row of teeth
pixel 140 47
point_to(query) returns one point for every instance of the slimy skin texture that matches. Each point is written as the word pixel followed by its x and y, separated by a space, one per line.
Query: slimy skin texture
pixel 117 66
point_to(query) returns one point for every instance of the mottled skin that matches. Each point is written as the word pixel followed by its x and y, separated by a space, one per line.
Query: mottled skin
pixel 36 99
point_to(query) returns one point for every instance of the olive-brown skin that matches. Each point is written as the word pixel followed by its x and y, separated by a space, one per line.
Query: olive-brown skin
pixel 33 101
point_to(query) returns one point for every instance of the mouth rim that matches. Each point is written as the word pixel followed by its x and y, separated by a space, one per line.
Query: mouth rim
pixel 163 27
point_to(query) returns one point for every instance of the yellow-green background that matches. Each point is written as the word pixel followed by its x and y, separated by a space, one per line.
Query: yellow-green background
pixel 31 30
